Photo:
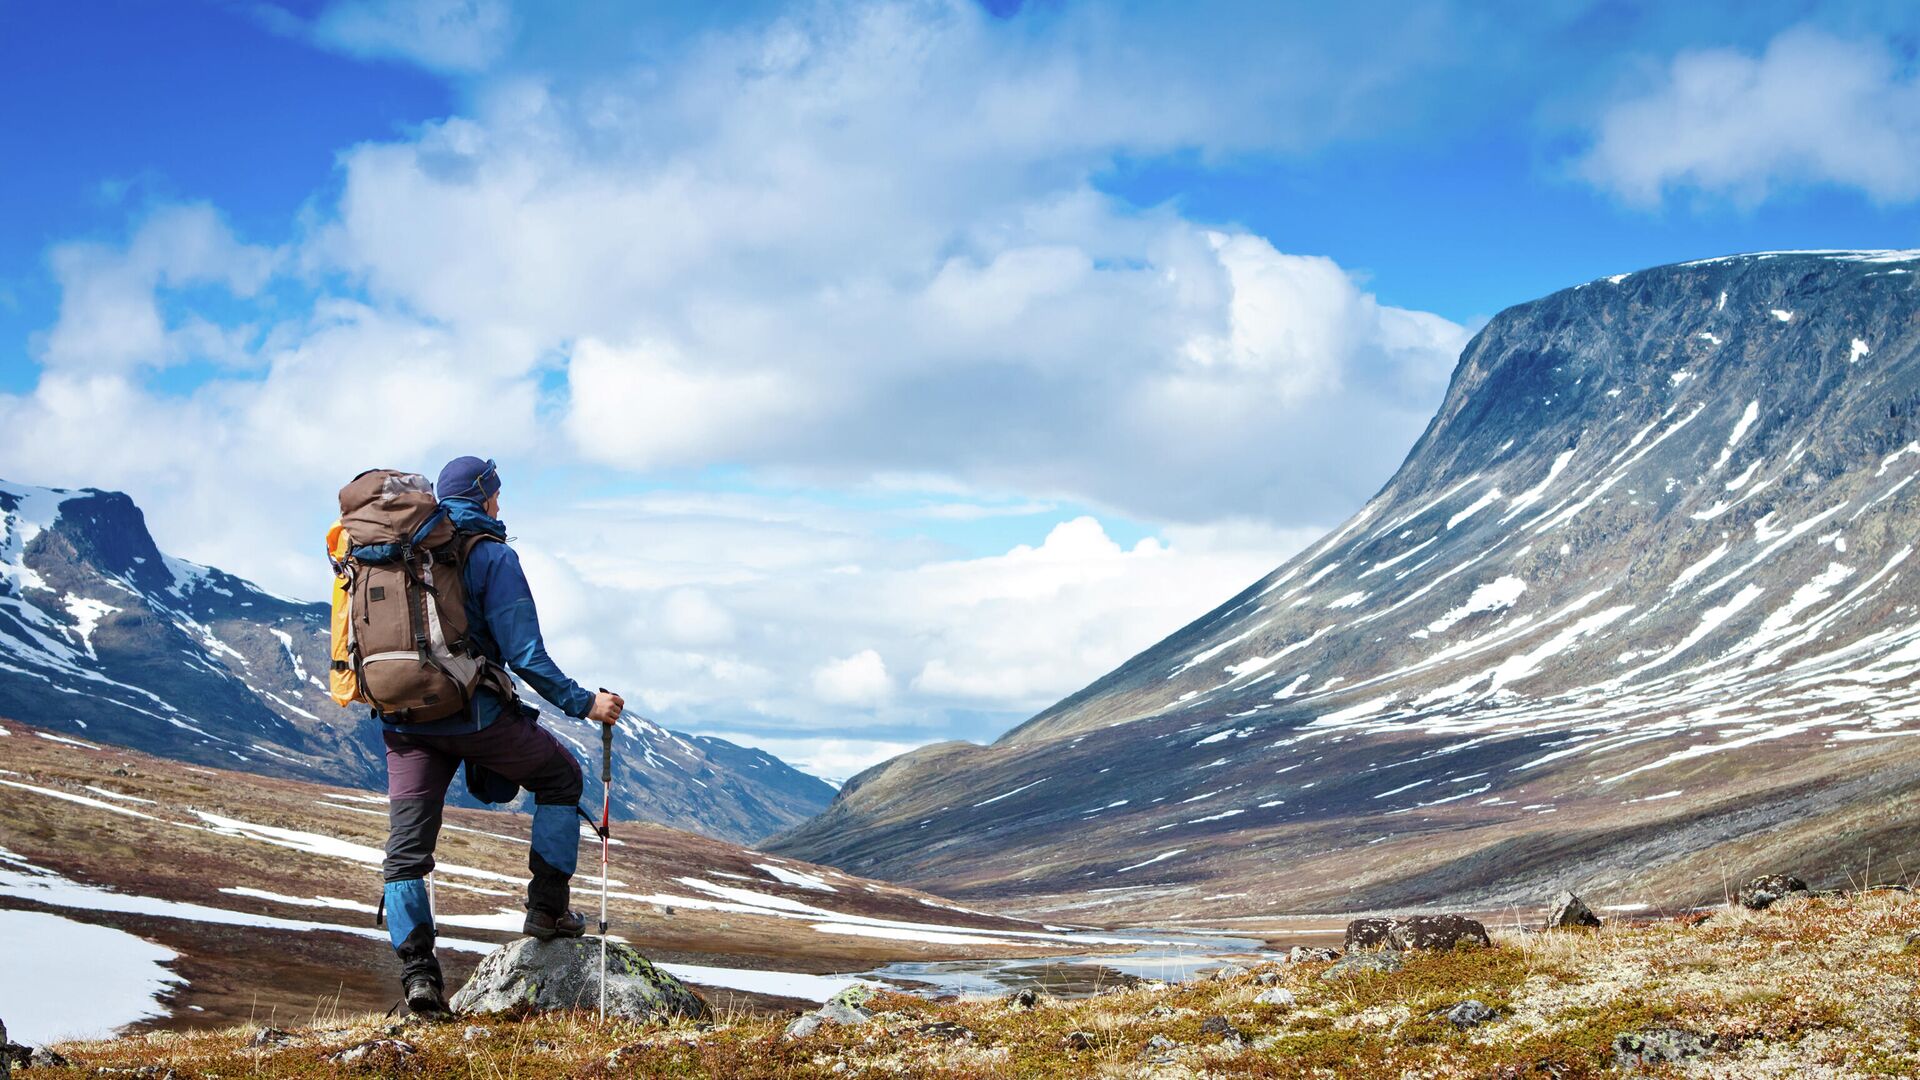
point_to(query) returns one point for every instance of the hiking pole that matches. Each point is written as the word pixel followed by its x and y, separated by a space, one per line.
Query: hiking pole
pixel 606 834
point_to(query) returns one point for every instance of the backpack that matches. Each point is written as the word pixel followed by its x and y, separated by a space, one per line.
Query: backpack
pixel 400 603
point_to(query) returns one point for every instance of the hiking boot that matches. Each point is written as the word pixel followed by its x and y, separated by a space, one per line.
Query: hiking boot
pixel 424 998
pixel 546 927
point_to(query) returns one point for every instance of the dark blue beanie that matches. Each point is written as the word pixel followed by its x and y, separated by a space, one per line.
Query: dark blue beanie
pixel 469 478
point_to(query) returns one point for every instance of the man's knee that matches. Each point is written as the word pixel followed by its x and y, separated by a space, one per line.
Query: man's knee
pixel 413 830
pixel 564 782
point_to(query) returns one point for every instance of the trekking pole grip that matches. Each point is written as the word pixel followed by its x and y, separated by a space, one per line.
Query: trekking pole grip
pixel 606 749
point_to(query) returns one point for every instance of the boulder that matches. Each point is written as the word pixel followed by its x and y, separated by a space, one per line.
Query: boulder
pixel 1659 1046
pixel 846 1008
pixel 1385 962
pixel 1469 1013
pixel 1769 889
pixel 1415 932
pixel 6 1053
pixel 530 976
pixel 1569 912
pixel 1370 934
pixel 1442 931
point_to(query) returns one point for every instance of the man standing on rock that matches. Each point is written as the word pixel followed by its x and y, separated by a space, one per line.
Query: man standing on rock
pixel 498 738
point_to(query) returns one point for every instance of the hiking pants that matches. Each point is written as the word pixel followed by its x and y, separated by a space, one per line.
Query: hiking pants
pixel 419 769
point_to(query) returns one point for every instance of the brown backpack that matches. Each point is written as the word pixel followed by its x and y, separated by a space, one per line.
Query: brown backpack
pixel 405 599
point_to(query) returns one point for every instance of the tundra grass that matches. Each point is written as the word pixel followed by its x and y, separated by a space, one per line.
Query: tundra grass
pixel 1814 987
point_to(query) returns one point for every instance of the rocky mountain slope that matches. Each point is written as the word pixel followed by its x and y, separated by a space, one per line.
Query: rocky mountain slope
pixel 104 636
pixel 1641 600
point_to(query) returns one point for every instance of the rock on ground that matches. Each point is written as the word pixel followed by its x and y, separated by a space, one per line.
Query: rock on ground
pixel 386 1055
pixel 1386 962
pixel 848 1008
pixel 1769 889
pixel 528 975
pixel 1659 1046
pixel 1570 913
pixel 1469 1013
pixel 1415 932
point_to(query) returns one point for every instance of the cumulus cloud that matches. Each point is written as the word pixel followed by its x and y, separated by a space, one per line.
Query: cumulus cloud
pixel 440 35
pixel 866 238
pixel 111 315
pixel 858 248
pixel 1810 108
pixel 859 680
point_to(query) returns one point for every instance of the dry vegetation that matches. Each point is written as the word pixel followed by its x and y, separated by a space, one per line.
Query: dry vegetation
pixel 1821 986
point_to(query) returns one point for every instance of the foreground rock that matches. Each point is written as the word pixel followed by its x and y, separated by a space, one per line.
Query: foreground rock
pixel 1383 962
pixel 848 1008
pixel 1415 932
pixel 1569 912
pixel 529 976
pixel 1769 889
pixel 1659 1046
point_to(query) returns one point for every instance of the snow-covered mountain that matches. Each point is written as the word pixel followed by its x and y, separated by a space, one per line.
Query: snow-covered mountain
pixel 103 635
pixel 1641 600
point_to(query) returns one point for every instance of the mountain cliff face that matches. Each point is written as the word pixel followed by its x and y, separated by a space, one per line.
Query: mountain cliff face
pixel 1643 591
pixel 104 636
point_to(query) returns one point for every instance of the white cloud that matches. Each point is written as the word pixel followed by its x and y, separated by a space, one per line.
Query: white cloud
pixel 858 680
pixel 830 758
pixel 857 250
pixel 440 35
pixel 110 303
pixel 1811 108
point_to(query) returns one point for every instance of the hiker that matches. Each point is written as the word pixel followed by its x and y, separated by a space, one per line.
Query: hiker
pixel 498 737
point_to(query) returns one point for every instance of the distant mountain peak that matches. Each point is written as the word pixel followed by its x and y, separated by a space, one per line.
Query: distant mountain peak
pixel 102 632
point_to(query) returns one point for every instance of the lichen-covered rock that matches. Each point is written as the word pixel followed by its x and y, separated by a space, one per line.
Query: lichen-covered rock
pixel 1222 1027
pixel 1415 932
pixel 1569 912
pixel 946 1029
pixel 1384 962
pixel 1659 1046
pixel 1159 1050
pixel 846 1008
pixel 1372 933
pixel 529 975
pixel 1769 889
pixel 1468 1014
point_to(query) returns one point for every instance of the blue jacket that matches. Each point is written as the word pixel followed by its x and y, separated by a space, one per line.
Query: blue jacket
pixel 502 622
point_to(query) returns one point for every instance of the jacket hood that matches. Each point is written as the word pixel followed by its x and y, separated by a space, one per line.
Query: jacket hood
pixel 468 516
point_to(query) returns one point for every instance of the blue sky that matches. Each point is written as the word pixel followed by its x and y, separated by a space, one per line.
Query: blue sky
pixel 864 373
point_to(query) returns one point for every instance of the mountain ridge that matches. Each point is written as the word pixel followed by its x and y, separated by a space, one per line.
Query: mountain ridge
pixel 1644 512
